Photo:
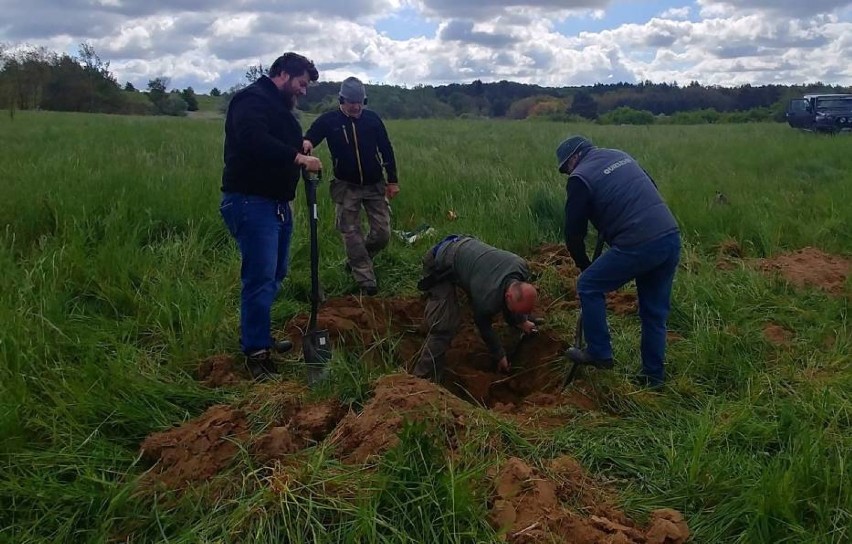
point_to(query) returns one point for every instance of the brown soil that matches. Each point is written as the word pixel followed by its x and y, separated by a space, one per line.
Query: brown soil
pixel 198 449
pixel 563 504
pixel 203 447
pixel 221 370
pixel 395 327
pixel 622 302
pixel 810 267
pixel 777 335
pixel 398 398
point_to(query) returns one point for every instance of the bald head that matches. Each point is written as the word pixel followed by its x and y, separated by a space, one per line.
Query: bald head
pixel 521 297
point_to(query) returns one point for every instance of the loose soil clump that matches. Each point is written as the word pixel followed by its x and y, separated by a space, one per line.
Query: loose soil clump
pixel 221 370
pixel 810 267
pixel 564 504
pixel 398 398
pixel 205 446
pixel 777 335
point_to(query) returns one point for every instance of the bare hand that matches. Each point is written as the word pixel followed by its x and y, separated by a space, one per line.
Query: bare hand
pixel 307 147
pixel 503 365
pixel 392 190
pixel 311 164
pixel 528 327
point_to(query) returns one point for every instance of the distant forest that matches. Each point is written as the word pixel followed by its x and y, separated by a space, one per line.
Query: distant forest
pixel 37 78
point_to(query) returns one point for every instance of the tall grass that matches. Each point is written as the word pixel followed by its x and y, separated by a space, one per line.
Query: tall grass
pixel 118 277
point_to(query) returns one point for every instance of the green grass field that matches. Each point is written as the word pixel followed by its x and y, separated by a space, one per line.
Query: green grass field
pixel 118 277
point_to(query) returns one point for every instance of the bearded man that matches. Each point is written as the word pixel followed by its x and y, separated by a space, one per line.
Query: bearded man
pixel 263 162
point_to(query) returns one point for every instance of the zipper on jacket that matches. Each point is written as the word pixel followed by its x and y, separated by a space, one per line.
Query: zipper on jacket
pixel 357 152
pixel 345 134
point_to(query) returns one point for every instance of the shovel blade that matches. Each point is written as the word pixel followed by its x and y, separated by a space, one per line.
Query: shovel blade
pixel 316 346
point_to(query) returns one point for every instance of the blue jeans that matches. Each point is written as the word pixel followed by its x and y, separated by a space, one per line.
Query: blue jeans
pixel 653 265
pixel 262 229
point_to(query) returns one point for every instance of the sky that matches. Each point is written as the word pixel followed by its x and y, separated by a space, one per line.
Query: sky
pixel 210 43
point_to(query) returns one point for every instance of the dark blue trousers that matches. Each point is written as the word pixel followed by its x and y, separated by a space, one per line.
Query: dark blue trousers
pixel 652 265
pixel 262 229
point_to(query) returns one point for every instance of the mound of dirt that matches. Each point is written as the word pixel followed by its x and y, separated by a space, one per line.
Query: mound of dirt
pixel 810 267
pixel 531 506
pixel 205 446
pixel 398 398
pixel 197 450
pixel 777 335
pixel 221 370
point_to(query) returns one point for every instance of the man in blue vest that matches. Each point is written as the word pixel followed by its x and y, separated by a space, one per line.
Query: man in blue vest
pixel 610 189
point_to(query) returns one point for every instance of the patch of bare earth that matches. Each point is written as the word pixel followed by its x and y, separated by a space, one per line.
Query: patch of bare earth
pixel 810 267
pixel 777 335
pixel 203 447
pixel 221 370
pixel 564 504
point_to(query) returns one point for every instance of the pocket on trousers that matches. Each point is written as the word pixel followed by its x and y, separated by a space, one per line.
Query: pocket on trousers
pixel 231 212
pixel 337 189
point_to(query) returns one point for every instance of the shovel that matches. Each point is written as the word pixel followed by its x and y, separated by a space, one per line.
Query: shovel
pixel 316 344
pixel 578 331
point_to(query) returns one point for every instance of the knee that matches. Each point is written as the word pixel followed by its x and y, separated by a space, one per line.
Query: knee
pixel 381 238
pixel 585 288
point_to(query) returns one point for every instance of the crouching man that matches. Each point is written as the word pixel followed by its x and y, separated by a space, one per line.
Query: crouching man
pixel 495 281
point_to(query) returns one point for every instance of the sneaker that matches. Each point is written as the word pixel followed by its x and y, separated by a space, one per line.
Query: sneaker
pixel 260 365
pixel 582 357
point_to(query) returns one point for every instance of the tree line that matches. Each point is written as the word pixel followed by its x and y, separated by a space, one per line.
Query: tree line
pixel 37 78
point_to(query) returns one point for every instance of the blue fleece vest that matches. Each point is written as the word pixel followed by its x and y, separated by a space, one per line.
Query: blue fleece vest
pixel 626 209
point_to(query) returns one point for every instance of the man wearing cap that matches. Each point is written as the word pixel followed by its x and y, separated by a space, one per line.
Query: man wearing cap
pixel 495 282
pixel 360 148
pixel 610 189
pixel 263 160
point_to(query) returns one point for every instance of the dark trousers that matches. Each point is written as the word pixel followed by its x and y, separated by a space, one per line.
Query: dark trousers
pixel 262 229
pixel 652 265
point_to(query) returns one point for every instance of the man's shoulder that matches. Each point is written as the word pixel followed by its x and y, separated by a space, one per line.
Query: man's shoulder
pixel 371 116
pixel 253 93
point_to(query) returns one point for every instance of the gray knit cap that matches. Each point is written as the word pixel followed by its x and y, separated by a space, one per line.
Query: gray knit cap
pixel 352 90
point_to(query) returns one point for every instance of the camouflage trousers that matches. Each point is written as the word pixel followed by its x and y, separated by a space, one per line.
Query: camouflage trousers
pixel 443 313
pixel 348 199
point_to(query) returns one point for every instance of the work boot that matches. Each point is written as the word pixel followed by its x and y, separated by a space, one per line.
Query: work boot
pixel 369 290
pixel 282 346
pixel 582 357
pixel 432 372
pixel 260 365
pixel 643 381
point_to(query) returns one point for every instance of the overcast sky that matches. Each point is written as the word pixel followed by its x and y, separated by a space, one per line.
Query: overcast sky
pixel 207 43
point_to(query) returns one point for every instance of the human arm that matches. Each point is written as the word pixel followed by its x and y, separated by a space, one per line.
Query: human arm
pixel 317 132
pixel 486 332
pixel 577 221
pixel 388 157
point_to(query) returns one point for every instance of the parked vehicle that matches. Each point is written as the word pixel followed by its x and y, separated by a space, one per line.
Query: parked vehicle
pixel 824 113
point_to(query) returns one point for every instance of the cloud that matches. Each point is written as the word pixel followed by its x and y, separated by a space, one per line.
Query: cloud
pixel 462 31
pixel 479 9
pixel 206 44
pixel 676 13
pixel 787 7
